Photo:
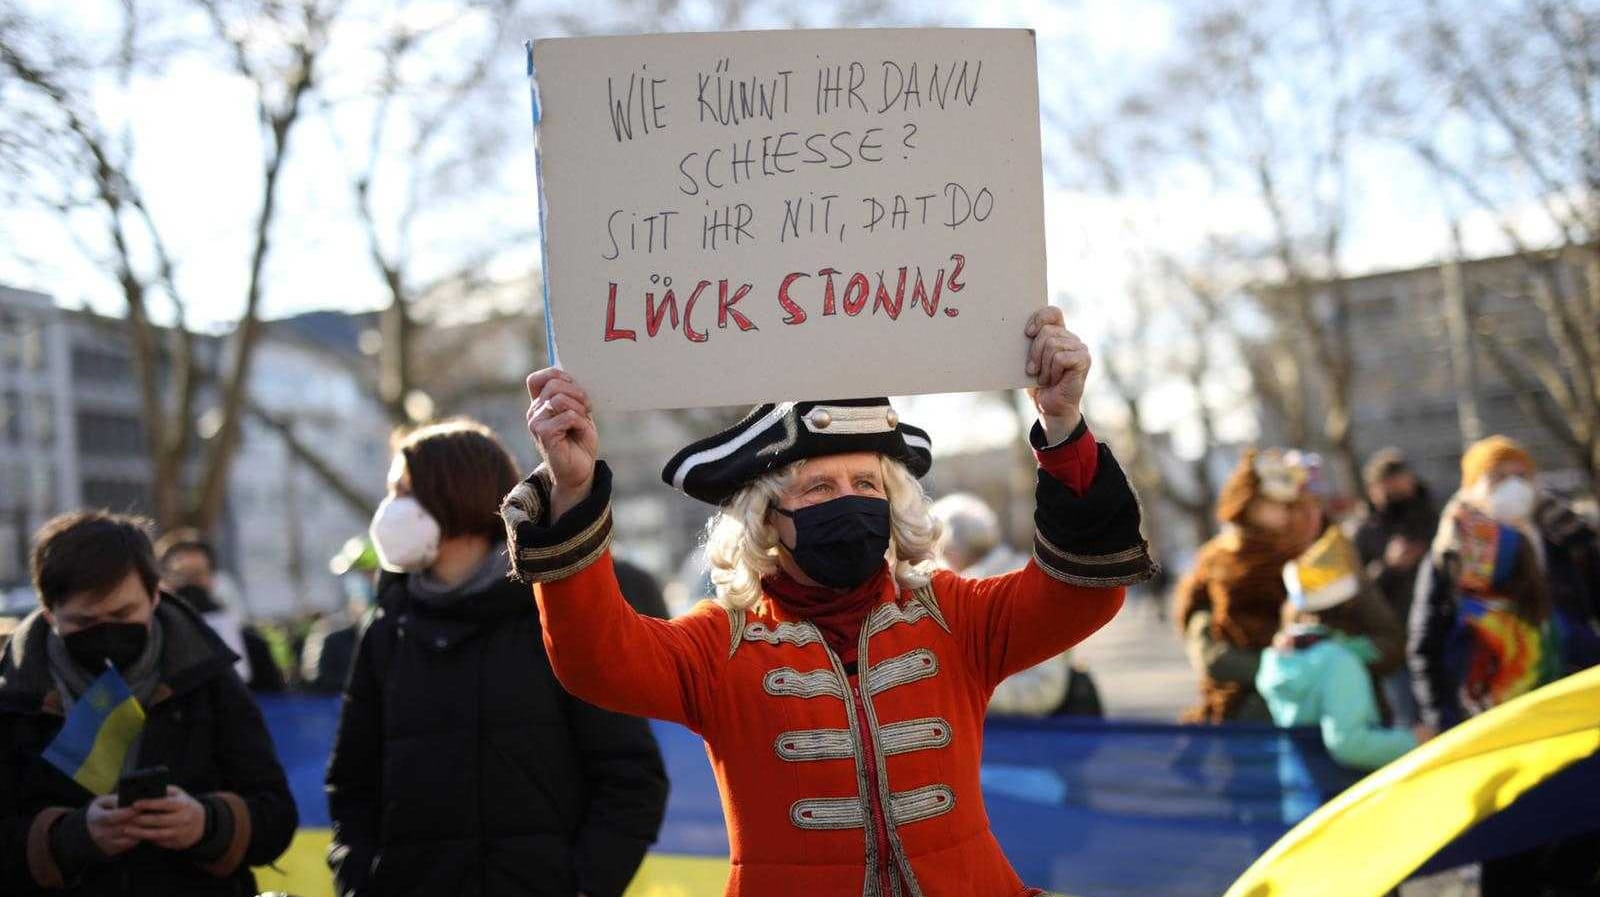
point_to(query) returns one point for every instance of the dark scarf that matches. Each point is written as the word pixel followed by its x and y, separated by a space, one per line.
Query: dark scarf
pixel 837 614
pixel 143 676
pixel 1303 636
pixel 1413 518
pixel 431 593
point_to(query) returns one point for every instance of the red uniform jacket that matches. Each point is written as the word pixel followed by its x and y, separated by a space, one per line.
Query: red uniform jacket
pixel 834 783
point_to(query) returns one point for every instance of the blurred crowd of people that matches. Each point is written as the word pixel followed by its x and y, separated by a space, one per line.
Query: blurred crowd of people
pixel 1396 622
pixel 459 758
pixel 1380 627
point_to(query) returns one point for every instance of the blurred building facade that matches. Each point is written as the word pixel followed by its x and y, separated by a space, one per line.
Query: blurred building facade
pixel 1423 382
pixel 71 427
pixel 470 355
pixel 38 457
pixel 72 436
pixel 306 380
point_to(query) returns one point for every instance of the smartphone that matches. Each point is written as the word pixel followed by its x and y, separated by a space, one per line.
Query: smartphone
pixel 143 784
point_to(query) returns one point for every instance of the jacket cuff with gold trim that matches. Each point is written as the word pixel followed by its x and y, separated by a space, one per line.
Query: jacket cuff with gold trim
pixel 543 550
pixel 1090 539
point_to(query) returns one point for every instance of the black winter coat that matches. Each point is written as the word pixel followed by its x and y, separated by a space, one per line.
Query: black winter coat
pixel 202 725
pixel 1417 520
pixel 462 768
pixel 1572 576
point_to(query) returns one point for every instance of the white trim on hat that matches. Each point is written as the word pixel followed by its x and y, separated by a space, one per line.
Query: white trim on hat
pixel 850 420
pixel 1331 595
pixel 717 453
pixel 917 442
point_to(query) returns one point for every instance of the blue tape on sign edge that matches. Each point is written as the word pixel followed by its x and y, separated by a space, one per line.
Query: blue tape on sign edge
pixel 544 239
pixel 533 81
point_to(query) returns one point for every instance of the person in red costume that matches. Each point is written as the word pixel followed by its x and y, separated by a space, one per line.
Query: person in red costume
pixel 838 679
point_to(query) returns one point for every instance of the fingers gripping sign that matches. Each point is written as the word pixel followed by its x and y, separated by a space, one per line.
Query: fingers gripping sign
pixel 1059 363
pixel 561 422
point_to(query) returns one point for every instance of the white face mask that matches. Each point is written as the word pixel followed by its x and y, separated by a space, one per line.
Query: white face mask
pixel 406 536
pixel 1512 500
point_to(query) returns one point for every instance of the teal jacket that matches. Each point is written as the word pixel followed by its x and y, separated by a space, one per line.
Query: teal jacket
pixel 1327 685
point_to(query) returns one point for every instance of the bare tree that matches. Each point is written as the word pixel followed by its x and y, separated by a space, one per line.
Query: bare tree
pixel 430 134
pixel 1170 344
pixel 1509 121
pixel 1177 337
pixel 1260 104
pixel 86 167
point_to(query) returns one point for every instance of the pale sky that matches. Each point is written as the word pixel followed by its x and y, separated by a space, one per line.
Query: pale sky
pixel 198 155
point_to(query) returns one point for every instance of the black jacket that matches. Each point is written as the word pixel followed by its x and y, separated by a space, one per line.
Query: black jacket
pixel 1572 576
pixel 462 768
pixel 329 654
pixel 1417 520
pixel 202 725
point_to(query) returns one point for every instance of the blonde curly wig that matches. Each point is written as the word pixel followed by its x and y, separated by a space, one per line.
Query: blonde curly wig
pixel 742 546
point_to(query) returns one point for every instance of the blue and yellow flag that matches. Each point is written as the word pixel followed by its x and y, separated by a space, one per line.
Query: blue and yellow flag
pixel 1396 818
pixel 94 741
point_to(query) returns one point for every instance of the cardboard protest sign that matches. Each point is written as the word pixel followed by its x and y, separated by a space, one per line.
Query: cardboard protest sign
pixel 759 216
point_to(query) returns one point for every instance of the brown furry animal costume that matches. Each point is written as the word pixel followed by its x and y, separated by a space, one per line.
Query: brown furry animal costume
pixel 1228 605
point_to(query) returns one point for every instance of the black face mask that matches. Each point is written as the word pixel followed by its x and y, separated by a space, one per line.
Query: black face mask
pixel 199 598
pixel 840 543
pixel 1395 508
pixel 119 643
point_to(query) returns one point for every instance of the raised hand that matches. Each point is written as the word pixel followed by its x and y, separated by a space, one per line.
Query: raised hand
pixel 562 427
pixel 1059 363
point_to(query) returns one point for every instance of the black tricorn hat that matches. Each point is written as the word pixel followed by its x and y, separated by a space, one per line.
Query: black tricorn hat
pixel 773 435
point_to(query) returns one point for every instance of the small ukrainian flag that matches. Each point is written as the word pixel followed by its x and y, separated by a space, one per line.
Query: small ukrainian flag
pixel 94 741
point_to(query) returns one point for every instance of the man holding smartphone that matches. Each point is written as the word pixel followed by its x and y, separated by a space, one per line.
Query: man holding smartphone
pixel 206 798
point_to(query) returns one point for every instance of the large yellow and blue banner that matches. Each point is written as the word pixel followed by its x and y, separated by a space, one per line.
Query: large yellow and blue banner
pixel 1082 807
pixel 1514 777
pixel 99 729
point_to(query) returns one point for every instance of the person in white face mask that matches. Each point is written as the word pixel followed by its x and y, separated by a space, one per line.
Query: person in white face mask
pixel 1507 600
pixel 461 766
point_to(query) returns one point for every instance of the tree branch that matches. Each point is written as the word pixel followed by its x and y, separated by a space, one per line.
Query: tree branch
pixel 358 502
pixel 213 489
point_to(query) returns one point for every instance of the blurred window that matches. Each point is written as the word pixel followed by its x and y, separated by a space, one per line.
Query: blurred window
pixel 13 547
pixel 11 418
pixel 109 435
pixel 31 337
pixel 96 364
pixel 9 325
pixel 10 484
pixel 117 495
pixel 44 420
pixel 43 483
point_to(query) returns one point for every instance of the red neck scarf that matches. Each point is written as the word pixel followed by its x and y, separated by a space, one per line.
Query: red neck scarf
pixel 838 614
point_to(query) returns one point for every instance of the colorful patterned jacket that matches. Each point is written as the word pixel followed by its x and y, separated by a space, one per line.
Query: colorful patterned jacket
pixel 835 783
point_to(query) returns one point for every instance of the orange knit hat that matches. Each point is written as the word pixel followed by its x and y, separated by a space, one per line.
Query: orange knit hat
pixel 1482 456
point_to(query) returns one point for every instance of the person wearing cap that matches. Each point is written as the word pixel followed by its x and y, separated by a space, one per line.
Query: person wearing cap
pixel 1401 519
pixel 1315 673
pixel 1392 540
pixel 838 680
